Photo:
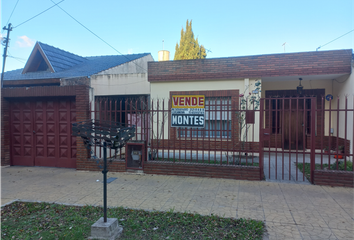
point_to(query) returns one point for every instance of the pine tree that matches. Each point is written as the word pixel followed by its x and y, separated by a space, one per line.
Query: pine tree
pixel 189 47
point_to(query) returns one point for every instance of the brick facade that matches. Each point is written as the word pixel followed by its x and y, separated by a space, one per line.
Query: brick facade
pixel 93 165
pixel 81 94
pixel 334 178
pixel 200 144
pixel 258 66
pixel 5 132
pixel 250 173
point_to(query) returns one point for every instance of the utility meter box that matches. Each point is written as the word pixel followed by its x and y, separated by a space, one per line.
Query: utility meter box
pixel 135 154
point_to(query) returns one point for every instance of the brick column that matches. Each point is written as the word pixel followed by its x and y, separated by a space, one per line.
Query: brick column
pixel 82 114
pixel 5 128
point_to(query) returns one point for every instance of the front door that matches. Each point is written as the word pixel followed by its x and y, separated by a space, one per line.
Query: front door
pixel 295 116
pixel 286 123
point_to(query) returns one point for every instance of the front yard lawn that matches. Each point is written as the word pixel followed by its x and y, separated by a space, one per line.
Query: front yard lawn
pixel 24 220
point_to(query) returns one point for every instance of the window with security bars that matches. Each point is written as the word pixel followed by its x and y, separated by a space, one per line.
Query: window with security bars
pixel 217 121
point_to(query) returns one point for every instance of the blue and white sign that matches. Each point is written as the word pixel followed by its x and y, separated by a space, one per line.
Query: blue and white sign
pixel 329 97
pixel 187 117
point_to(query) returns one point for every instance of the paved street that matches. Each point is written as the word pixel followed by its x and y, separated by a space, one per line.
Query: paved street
pixel 290 211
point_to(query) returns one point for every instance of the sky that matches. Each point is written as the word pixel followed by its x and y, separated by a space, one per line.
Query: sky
pixel 225 28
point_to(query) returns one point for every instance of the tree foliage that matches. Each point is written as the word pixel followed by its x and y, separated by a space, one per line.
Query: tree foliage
pixel 189 47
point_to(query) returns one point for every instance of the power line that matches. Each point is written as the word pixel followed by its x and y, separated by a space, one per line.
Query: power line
pixel 12 12
pixel 16 58
pixel 22 60
pixel 335 39
pixel 39 13
pixel 98 36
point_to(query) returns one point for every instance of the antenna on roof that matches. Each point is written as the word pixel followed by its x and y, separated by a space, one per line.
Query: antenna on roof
pixel 284 46
pixel 163 41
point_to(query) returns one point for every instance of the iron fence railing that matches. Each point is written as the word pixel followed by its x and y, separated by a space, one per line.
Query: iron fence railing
pixel 285 137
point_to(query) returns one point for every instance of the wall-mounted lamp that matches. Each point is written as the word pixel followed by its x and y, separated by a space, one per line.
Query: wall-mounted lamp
pixel 300 88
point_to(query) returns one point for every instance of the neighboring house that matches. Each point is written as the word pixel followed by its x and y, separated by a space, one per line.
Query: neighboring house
pixel 54 89
pixel 323 73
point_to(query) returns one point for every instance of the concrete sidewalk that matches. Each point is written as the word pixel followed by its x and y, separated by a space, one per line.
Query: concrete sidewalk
pixel 290 211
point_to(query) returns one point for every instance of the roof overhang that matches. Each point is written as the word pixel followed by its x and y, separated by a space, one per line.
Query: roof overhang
pixel 33 82
pixel 304 77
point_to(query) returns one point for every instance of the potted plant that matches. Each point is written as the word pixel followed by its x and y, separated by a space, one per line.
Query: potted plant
pixel 339 153
pixel 326 149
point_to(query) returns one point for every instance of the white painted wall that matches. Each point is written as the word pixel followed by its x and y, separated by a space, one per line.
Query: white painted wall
pixel 161 90
pixel 120 84
pixel 127 79
pixel 344 87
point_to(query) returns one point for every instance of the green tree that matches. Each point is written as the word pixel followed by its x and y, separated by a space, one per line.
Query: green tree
pixel 189 47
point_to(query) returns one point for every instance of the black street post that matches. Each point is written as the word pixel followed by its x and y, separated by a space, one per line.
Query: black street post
pixel 105 181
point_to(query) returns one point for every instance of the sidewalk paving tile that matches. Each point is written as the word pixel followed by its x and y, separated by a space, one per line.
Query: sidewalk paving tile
pixel 290 211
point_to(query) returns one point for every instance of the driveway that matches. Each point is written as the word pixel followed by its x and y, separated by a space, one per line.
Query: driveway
pixel 290 211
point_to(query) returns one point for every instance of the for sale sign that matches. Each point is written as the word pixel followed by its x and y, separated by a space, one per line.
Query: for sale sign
pixel 188 111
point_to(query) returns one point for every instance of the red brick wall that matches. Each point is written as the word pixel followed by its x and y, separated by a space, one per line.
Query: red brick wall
pixel 182 169
pixel 5 134
pixel 81 94
pixel 82 114
pixel 334 178
pixel 92 165
pixel 208 170
pixel 200 144
pixel 258 66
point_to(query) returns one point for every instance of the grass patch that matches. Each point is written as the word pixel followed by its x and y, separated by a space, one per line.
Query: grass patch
pixel 23 220
pixel 243 163
pixel 307 171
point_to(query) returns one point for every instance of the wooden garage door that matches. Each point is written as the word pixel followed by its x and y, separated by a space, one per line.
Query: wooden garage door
pixel 41 132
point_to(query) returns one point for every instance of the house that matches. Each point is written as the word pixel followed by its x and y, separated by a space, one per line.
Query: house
pixel 53 90
pixel 287 121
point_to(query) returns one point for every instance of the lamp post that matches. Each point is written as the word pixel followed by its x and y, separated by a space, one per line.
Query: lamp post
pixel 300 88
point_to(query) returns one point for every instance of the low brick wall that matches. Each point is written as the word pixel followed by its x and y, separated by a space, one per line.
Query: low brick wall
pixel 250 173
pixel 92 165
pixel 334 178
pixel 202 170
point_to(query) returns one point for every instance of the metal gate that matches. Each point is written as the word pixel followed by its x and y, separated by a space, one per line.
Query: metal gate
pixel 287 138
pixel 41 132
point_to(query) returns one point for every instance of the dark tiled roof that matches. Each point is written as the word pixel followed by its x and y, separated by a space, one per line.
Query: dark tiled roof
pixel 68 65
pixel 60 59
